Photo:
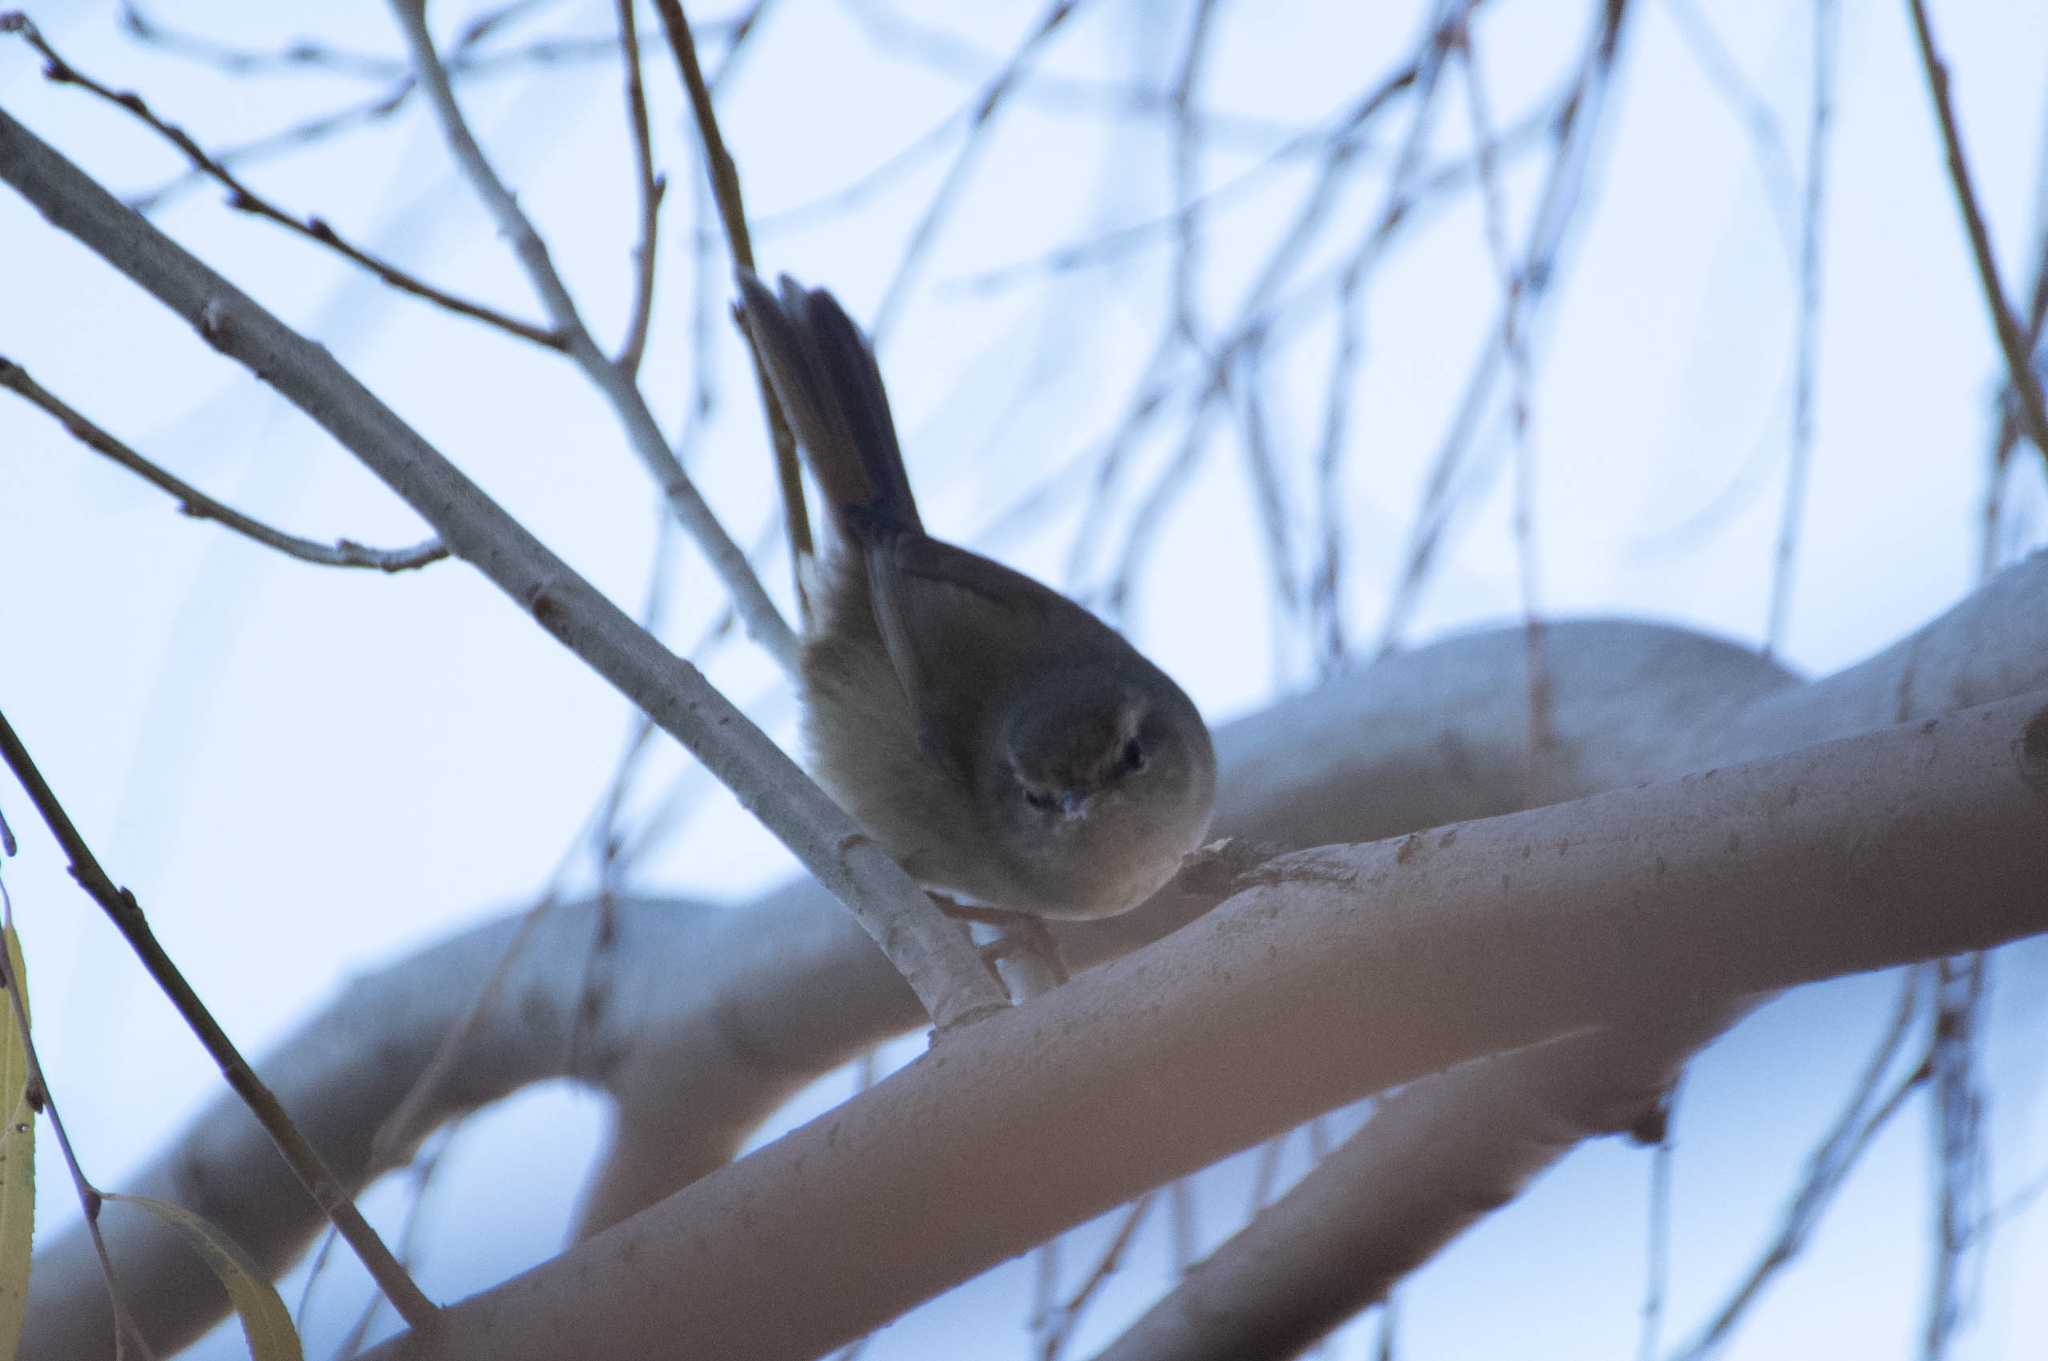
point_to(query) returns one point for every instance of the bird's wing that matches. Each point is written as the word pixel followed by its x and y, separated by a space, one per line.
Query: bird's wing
pixel 951 621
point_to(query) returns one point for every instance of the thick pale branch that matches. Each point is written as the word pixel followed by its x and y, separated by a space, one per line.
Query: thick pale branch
pixel 936 958
pixel 1438 1156
pixel 1418 739
pixel 1354 969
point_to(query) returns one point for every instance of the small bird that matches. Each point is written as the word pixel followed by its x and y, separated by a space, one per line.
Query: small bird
pixel 1008 748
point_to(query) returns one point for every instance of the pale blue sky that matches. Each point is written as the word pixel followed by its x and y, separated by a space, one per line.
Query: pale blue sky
pixel 304 773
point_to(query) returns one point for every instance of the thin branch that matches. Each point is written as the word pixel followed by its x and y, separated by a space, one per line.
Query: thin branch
pixel 1326 587
pixel 1574 135
pixel 1269 497
pixel 764 624
pixel 1067 1316
pixel 1253 325
pixel 1657 1247
pixel 732 212
pixel 306 1163
pixel 420 1172
pixel 1806 333
pixel 2007 436
pixel 1827 1168
pixel 299 54
pixel 244 199
pixel 649 185
pixel 2026 384
pixel 1960 1155
pixel 1536 780
pixel 1187 159
pixel 293 137
pixel 1107 247
pixel 896 36
pixel 917 248
pixel 200 506
pixel 462 63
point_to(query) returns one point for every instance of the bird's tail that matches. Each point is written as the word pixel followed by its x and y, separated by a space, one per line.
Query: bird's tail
pixel 824 375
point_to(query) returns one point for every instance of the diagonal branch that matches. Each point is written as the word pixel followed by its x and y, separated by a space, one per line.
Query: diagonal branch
pixel 2026 384
pixel 200 506
pixel 311 1169
pixel 732 212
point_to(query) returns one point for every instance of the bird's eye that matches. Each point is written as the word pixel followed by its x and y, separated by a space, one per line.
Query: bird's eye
pixel 1039 799
pixel 1134 755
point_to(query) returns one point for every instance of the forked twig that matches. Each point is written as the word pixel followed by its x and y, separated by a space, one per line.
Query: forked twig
pixel 649 186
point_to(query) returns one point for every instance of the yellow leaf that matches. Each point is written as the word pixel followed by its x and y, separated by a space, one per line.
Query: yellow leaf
pixel 17 1159
pixel 266 1323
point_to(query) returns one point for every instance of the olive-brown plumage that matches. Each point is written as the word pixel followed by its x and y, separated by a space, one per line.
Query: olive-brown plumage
pixel 1004 744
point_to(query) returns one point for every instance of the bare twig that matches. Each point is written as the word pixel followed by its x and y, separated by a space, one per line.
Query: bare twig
pixel 462 61
pixel 421 1174
pixel 1326 587
pixel 1253 327
pixel 1045 1290
pixel 244 199
pixel 649 185
pixel 1657 1248
pixel 917 249
pixel 898 35
pixel 1806 339
pixel 300 54
pixel 1574 134
pixel 293 137
pixel 1269 495
pixel 764 624
pixel 1108 247
pixel 2026 384
pixel 1068 1316
pixel 1187 158
pixel 1827 1168
pixel 725 188
pixel 1536 781
pixel 306 1163
pixel 2007 434
pixel 1960 1158
pixel 200 506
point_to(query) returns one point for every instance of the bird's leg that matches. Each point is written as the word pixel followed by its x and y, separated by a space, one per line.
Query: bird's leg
pixel 1016 938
